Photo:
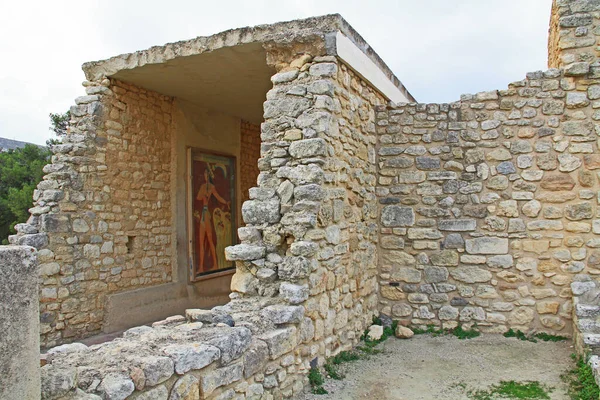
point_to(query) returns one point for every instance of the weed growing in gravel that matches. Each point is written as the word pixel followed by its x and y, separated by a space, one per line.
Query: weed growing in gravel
pixel 430 329
pixel 542 336
pixel 316 381
pixel 459 332
pixel 513 390
pixel 519 335
pixel 333 372
pixel 582 385
pixel 362 351
pixel 387 332
pixel 344 356
pixel 347 356
pixel 550 338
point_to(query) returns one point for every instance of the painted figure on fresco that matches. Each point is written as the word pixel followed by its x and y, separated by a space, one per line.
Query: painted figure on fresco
pixel 212 212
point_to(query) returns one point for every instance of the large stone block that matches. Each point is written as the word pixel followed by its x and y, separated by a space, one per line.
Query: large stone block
pixel 19 323
pixel 219 377
pixel 244 252
pixel 282 314
pixel 397 216
pixel 192 356
pixel 308 148
pixel 280 341
pixel 487 245
pixel 457 225
pixel 292 268
pixel 470 274
pixel 258 212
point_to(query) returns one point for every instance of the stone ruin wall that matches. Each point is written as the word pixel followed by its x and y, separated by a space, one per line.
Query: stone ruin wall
pixel 487 213
pixel 301 292
pixel 105 208
pixel 488 205
pixel 574 31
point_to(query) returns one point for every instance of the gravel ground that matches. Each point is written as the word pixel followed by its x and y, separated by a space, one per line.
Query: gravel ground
pixel 445 367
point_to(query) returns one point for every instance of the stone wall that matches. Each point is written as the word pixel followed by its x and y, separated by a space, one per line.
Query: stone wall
pixel 586 324
pixel 574 31
pixel 249 155
pixel 103 210
pixel 20 341
pixel 305 286
pixel 488 204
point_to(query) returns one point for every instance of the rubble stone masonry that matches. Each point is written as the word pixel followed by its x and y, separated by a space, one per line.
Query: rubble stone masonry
pixel 482 212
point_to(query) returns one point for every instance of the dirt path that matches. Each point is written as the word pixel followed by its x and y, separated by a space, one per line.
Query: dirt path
pixel 444 367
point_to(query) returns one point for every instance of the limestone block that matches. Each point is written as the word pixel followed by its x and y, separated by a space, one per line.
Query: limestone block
pixel 448 313
pixel 487 245
pixel 219 377
pixel 403 332
pixel 115 386
pixel 157 393
pixel 19 321
pixel 281 314
pixel 435 274
pixel 280 341
pixel 375 332
pixel 259 212
pixel 444 258
pixel 472 313
pixel 397 216
pixel 292 268
pixel 308 148
pixel 255 358
pixel 294 294
pixel 323 70
pixel 401 273
pixel 457 225
pixel 470 274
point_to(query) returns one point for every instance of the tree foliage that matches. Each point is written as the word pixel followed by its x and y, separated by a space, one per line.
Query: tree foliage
pixel 20 172
pixel 60 123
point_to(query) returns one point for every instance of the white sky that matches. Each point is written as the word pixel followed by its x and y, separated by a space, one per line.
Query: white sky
pixel 439 49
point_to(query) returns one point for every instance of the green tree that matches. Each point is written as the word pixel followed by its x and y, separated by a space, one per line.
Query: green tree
pixel 60 123
pixel 20 172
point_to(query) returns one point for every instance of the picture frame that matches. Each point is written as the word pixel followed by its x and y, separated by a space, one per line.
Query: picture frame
pixel 212 212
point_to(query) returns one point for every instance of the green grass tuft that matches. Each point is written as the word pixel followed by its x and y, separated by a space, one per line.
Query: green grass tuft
pixel 542 336
pixel 550 338
pixel 513 390
pixel 460 333
pixel 582 385
pixel 316 381
pixel 345 356
pixel 333 372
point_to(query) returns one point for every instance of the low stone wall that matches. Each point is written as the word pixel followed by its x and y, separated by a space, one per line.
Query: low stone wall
pixel 20 340
pixel 200 356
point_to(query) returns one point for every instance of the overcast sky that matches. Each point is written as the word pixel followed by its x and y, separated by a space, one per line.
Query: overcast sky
pixel 439 49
